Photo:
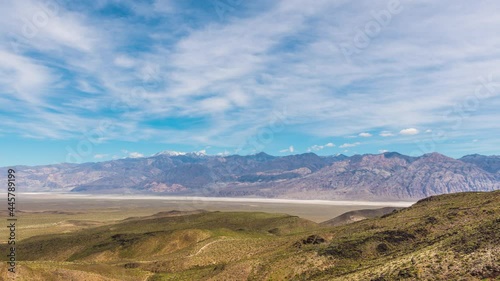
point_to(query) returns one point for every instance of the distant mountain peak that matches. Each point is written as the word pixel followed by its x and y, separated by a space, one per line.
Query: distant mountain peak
pixel 390 154
pixel 488 163
pixel 179 153
pixel 436 155
pixel 263 156
pixel 170 153
pixel 473 155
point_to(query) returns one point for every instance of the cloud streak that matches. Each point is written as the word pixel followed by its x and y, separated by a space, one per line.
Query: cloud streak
pixel 346 145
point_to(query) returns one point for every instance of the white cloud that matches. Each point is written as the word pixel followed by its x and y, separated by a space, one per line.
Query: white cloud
pixel 49 26
pixel 24 77
pixel 225 153
pixel 135 155
pixel 350 144
pixel 100 156
pixel 86 87
pixel 319 147
pixel 315 148
pixel 290 149
pixel 383 150
pixel 386 134
pixel 409 131
pixel 365 135
pixel 214 105
pixel 124 61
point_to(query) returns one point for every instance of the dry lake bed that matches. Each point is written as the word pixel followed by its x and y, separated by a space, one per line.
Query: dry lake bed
pixel 47 213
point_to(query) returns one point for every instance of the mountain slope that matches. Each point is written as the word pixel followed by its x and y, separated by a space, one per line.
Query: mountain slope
pixel 446 237
pixel 358 215
pixel 488 163
pixel 389 177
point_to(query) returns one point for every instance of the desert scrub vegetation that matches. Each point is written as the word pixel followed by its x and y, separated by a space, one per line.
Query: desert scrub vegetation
pixel 447 237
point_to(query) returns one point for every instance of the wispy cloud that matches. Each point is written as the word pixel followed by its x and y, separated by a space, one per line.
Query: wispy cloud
pixel 345 145
pixel 386 134
pixel 320 147
pixel 290 149
pixel 101 156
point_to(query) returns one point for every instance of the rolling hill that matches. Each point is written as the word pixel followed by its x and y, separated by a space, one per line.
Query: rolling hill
pixel 447 237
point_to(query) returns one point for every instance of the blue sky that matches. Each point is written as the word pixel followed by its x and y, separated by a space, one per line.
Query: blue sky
pixel 101 80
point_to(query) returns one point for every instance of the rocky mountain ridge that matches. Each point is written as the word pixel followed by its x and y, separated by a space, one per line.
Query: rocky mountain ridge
pixel 386 176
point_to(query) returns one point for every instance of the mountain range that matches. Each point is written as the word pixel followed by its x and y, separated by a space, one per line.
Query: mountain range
pixel 386 176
